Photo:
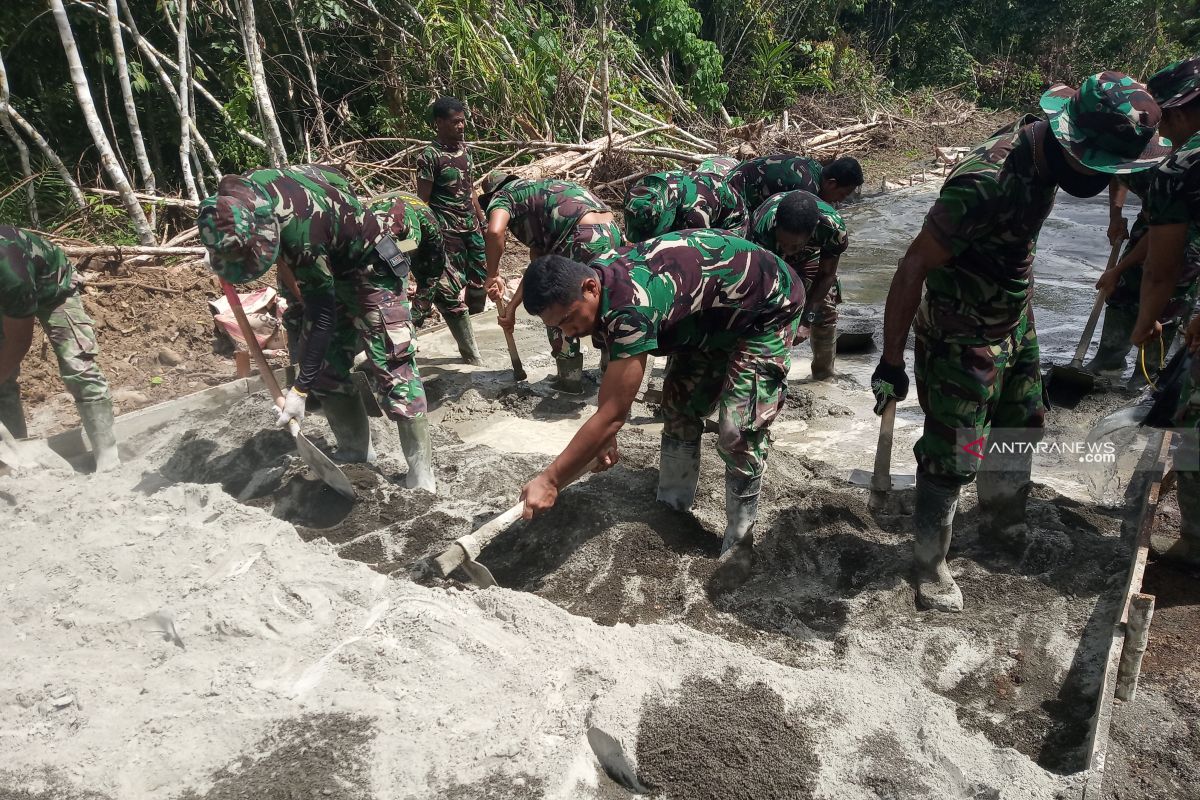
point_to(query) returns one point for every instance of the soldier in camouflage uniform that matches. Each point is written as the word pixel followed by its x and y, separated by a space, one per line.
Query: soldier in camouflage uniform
pixel 1173 213
pixel 444 181
pixel 549 217
pixel 759 178
pixel 351 278
pixel 724 310
pixel 1124 284
pixel 37 282
pixel 977 359
pixel 717 166
pixel 814 260
pixel 663 202
pixel 405 216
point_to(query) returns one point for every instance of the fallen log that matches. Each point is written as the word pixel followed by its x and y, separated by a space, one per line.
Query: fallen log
pixel 119 251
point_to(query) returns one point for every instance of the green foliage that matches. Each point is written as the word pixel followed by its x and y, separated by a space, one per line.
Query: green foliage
pixel 671 28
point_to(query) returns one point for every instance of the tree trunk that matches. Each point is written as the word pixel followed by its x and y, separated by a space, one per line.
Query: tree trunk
pixel 107 157
pixel 318 106
pixel 131 115
pixel 258 78
pixel 26 167
pixel 11 113
pixel 185 114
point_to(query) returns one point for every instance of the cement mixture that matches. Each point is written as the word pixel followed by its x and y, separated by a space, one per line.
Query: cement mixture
pixel 171 638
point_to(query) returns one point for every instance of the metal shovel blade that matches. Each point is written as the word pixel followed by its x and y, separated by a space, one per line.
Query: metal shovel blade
pixel 369 401
pixel 322 465
pixel 480 575
pixel 1067 385
pixel 861 477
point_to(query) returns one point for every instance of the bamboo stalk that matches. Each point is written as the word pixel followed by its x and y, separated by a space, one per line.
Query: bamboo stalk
pixel 1137 637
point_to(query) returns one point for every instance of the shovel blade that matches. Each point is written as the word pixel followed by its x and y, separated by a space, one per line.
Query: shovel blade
pixel 480 575
pixel 323 467
pixel 1066 386
pixel 363 384
pixel 861 477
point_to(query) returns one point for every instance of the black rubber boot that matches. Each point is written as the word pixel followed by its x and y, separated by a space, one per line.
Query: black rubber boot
pixel 678 472
pixel 1003 490
pixel 933 521
pixel 347 419
pixel 418 452
pixel 824 345
pixel 1186 549
pixel 12 413
pixel 1113 350
pixel 476 299
pixel 464 336
pixel 741 510
pixel 97 418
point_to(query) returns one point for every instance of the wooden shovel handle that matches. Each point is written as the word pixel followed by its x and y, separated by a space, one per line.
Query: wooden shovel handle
pixel 1090 328
pixel 881 480
pixel 264 369
pixel 513 355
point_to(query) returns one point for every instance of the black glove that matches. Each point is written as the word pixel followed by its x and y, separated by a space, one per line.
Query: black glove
pixel 888 382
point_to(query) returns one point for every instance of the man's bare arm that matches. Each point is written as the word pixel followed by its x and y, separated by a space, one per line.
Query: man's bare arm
pixel 924 254
pixel 1164 265
pixel 18 336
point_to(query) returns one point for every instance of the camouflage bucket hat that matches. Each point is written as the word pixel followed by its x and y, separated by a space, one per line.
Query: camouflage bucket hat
pixel 1108 124
pixel 242 235
pixel 495 180
pixel 1176 84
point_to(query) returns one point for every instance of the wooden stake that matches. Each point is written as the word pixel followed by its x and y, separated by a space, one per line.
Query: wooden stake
pixel 1137 636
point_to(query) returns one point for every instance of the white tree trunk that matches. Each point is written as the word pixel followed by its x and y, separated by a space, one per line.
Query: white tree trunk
pixel 322 130
pixel 131 115
pixel 11 114
pixel 185 114
pixel 108 158
pixel 152 56
pixel 258 78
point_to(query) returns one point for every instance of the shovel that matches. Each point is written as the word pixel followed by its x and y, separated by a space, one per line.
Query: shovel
pixel 513 355
pixel 321 465
pixel 464 550
pixel 27 453
pixel 882 480
pixel 1066 386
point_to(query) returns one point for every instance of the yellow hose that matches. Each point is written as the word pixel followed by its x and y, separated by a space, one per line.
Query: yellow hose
pixel 1162 362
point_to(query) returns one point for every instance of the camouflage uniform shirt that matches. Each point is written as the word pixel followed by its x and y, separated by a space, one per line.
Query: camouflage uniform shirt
pixel 717 166
pixel 450 173
pixel 35 275
pixel 324 231
pixel 988 215
pixel 759 178
pixel 675 201
pixel 544 213
pixel 692 290
pixel 406 216
pixel 828 240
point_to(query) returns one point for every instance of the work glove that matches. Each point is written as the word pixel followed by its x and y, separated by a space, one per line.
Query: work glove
pixel 888 382
pixel 293 407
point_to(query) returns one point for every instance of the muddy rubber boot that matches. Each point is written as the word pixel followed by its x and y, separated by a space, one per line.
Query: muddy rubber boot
pixel 418 452
pixel 1003 491
pixel 97 418
pixel 347 419
pixel 741 510
pixel 678 472
pixel 933 520
pixel 1109 361
pixel 1185 550
pixel 824 345
pixel 476 299
pixel 570 375
pixel 12 413
pixel 464 336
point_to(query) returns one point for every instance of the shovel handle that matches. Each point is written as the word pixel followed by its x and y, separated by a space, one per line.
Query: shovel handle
pixel 513 355
pixel 1090 328
pixel 467 547
pixel 264 369
pixel 881 480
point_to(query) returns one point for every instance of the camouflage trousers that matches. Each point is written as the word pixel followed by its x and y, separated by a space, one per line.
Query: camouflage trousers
pixel 438 283
pixel 745 384
pixel 465 254
pixel 73 337
pixel 967 388
pixel 373 315
pixel 827 313
pixel 588 242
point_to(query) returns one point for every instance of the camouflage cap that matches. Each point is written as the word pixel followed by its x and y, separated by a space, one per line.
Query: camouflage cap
pixel 240 230
pixel 1176 84
pixel 1108 124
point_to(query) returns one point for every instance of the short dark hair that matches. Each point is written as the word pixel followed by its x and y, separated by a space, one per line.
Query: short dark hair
pixel 554 281
pixel 844 171
pixel 798 213
pixel 444 106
